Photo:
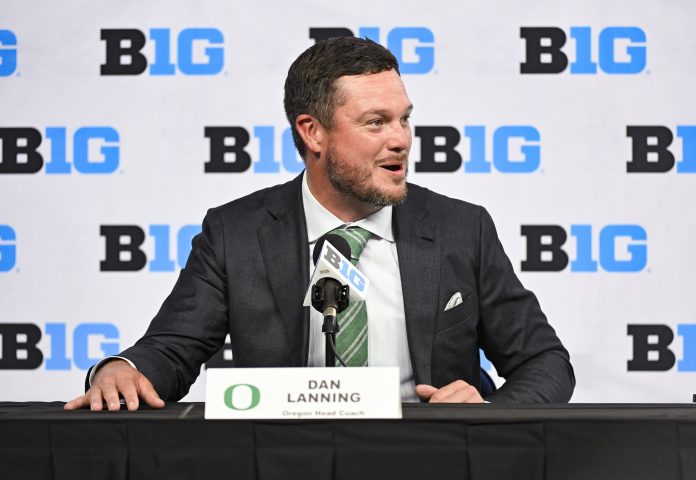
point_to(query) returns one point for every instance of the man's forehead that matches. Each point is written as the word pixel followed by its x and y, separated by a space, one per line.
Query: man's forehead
pixel 371 78
pixel 371 85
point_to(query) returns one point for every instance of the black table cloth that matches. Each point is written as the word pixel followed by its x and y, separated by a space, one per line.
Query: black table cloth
pixel 478 442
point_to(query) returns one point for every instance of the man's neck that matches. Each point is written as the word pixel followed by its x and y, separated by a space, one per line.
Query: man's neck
pixel 346 208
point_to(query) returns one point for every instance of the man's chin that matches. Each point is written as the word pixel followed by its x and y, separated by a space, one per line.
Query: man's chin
pixel 376 194
pixel 386 198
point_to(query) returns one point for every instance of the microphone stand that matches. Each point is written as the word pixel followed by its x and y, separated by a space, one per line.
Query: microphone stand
pixel 330 298
pixel 330 329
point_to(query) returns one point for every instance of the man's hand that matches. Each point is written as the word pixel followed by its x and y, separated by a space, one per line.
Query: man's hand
pixel 114 378
pixel 456 392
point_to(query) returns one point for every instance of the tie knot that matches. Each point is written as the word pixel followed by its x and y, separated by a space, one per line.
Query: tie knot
pixel 356 237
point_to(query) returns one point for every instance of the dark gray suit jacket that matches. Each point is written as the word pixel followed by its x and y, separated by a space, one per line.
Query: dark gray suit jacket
pixel 249 269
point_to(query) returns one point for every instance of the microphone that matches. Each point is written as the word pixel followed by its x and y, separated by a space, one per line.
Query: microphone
pixel 329 296
pixel 335 282
pixel 332 261
pixel 337 241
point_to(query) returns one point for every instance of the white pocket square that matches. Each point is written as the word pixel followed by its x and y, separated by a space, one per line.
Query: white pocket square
pixel 455 300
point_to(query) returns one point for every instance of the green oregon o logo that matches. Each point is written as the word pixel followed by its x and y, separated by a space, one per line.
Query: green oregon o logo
pixel 255 397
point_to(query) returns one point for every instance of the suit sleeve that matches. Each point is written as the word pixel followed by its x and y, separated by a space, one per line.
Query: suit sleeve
pixel 514 332
pixel 192 324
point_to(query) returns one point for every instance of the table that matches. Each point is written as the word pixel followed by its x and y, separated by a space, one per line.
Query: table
pixel 478 442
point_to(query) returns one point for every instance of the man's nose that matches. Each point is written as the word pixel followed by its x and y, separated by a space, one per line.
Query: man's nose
pixel 399 138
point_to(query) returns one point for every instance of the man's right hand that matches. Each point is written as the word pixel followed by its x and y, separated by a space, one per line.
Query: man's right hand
pixel 114 378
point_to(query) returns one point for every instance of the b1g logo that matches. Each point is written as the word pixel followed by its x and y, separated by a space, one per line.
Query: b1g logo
pixel 8 248
pixel 20 345
pixel 123 252
pixel 438 154
pixel 412 46
pixel 619 50
pixel 8 53
pixel 199 51
pixel 545 252
pixel 650 149
pixel 349 273
pixel 20 154
pixel 228 150
pixel 651 352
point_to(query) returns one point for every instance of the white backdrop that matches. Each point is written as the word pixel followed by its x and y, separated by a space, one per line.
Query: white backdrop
pixel 154 169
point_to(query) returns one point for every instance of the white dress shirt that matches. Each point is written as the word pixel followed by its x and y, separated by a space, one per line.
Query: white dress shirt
pixel 387 345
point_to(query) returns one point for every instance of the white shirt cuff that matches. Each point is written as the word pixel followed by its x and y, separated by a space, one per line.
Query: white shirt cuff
pixel 104 360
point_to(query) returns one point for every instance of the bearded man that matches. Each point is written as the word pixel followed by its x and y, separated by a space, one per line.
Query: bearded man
pixel 441 284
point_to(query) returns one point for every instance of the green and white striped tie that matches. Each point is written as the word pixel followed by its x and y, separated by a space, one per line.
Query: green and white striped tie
pixel 351 340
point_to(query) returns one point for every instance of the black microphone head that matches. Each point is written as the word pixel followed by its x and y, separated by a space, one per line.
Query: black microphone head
pixel 338 242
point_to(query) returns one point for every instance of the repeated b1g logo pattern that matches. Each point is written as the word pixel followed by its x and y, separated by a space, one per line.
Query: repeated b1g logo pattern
pixel 499 145
pixel 230 150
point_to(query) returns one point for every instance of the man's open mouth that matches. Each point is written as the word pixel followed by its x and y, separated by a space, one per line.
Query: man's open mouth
pixel 396 167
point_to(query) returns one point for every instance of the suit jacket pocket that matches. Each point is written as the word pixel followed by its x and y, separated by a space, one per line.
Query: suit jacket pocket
pixel 463 312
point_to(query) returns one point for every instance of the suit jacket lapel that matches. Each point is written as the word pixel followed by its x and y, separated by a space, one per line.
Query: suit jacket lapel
pixel 419 264
pixel 284 247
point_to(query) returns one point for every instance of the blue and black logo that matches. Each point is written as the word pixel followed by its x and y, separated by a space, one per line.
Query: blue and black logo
pixel 651 352
pixel 650 149
pixel 124 253
pixel 545 251
pixel 618 51
pixel 516 149
pixel 20 150
pixel 413 47
pixel 20 345
pixel 124 52
pixel 229 150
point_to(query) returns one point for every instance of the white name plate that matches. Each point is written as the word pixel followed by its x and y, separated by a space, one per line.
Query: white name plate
pixel 303 393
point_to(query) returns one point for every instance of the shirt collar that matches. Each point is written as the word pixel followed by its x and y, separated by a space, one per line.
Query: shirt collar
pixel 320 221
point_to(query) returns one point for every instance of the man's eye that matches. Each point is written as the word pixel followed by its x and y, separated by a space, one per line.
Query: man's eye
pixel 377 122
pixel 406 118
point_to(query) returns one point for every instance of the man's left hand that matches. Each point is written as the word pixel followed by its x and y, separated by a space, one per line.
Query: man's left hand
pixel 456 392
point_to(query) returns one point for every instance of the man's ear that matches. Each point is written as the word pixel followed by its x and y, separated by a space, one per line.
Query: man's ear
pixel 312 132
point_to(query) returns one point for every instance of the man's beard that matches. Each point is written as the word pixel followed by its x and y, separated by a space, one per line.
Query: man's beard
pixel 355 183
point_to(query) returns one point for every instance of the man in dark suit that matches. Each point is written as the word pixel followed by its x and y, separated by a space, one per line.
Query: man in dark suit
pixel 442 285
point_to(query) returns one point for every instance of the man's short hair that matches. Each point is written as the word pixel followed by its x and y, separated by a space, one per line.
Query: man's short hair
pixel 310 86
